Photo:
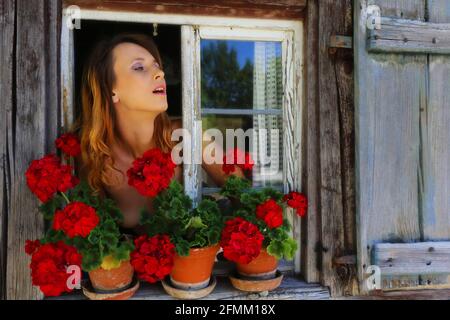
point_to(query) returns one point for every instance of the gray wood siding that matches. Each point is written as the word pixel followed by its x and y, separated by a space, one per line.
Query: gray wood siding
pixel 402 141
pixel 30 49
pixel 7 76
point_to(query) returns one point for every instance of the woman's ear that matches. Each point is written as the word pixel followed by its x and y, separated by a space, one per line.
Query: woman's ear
pixel 115 97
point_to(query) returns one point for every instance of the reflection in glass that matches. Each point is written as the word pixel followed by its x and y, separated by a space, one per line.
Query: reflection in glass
pixel 263 141
pixel 241 74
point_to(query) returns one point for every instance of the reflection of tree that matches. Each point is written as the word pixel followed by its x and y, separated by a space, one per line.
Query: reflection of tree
pixel 224 83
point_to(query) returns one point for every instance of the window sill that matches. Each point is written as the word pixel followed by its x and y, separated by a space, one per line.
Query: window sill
pixel 291 288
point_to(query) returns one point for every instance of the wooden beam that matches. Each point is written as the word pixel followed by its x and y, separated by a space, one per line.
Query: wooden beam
pixel 412 258
pixel 336 147
pixel 284 9
pixel 7 29
pixel 422 294
pixel 389 93
pixel 32 126
pixel 311 149
pixel 410 36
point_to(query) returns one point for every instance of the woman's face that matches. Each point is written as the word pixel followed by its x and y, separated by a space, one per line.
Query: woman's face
pixel 137 75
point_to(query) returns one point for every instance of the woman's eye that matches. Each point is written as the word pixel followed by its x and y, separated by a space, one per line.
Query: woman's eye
pixel 138 68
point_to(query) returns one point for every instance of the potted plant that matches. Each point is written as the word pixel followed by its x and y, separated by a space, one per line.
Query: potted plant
pixel 81 224
pixel 186 237
pixel 195 233
pixel 256 236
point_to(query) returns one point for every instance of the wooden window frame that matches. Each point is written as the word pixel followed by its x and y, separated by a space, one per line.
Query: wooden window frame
pixel 193 28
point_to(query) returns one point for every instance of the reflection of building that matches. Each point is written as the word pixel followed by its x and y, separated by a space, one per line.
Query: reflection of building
pixel 267 94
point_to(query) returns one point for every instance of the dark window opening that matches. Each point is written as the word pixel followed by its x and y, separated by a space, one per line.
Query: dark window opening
pixel 168 41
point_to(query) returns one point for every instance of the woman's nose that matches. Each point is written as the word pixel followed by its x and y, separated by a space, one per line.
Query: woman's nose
pixel 159 74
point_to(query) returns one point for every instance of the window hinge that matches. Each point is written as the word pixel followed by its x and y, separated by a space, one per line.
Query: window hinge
pixel 343 260
pixel 373 21
pixel 341 42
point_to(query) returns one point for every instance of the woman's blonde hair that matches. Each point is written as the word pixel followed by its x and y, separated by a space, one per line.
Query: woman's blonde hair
pixel 96 126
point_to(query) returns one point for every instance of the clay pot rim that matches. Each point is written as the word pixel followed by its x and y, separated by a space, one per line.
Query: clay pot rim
pixel 204 248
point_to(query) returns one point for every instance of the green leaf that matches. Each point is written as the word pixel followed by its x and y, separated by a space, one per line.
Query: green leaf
pixel 196 223
pixel 234 186
pixel 285 248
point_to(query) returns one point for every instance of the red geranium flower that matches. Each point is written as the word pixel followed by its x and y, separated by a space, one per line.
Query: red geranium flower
pixel 153 257
pixel 31 246
pixel 241 241
pixel 297 201
pixel 47 176
pixel 76 219
pixel 48 266
pixel 69 144
pixel 151 173
pixel 239 158
pixel 271 213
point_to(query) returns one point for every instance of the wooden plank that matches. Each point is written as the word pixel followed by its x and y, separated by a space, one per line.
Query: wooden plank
pixel 409 36
pixel 7 28
pixel 292 55
pixel 28 137
pixel 311 151
pixel 406 9
pixel 335 87
pixel 421 294
pixel 285 9
pixel 32 128
pixel 67 74
pixel 291 288
pixel 412 258
pixel 389 93
pixel 435 142
pixel 191 109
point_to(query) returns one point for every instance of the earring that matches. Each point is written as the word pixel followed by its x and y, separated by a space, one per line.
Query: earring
pixel 155 29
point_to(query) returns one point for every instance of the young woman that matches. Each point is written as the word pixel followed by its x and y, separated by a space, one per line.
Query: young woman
pixel 124 103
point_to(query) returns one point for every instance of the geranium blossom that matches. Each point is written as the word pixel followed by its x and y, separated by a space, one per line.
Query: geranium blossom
pixel 153 257
pixel 271 213
pixel 47 176
pixel 69 144
pixel 297 201
pixel 236 155
pixel 76 219
pixel 48 266
pixel 241 241
pixel 151 173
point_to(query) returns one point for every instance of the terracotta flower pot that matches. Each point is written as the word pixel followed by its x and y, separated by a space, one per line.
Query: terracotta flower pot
pixel 263 266
pixel 114 279
pixel 194 271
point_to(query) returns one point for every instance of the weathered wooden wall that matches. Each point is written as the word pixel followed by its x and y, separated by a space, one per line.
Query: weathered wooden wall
pixel 33 116
pixel 30 120
pixel 402 139
pixel 401 132
pixel 271 9
pixel 329 149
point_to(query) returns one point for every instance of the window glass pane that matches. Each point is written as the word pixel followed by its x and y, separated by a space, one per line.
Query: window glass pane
pixel 241 74
pixel 266 146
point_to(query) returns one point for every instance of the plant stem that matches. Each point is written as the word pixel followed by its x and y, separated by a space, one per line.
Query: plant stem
pixel 65 197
